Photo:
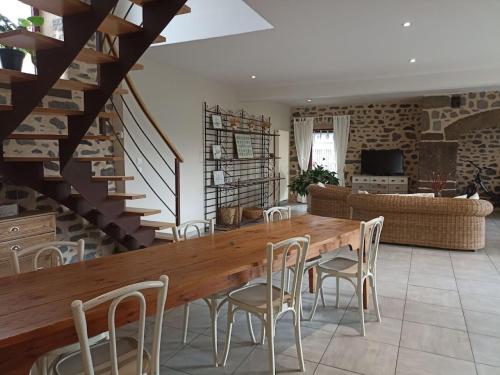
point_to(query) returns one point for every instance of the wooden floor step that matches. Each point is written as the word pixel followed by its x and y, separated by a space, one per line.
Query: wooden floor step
pixel 138 67
pixel 95 178
pixel 157 225
pixel 91 56
pixel 29 40
pixel 36 136
pixel 114 25
pixel 30 158
pixel 164 236
pixel 98 158
pixel 118 196
pixel 184 10
pixel 141 211
pixel 98 137
pixel 59 7
pixel 58 111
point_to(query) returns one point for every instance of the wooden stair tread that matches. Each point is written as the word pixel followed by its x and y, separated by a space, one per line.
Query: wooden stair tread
pixel 158 225
pixel 121 91
pixel 90 56
pixel 12 76
pixel 164 236
pixel 137 67
pixel 184 10
pixel 118 196
pixel 114 25
pixel 29 40
pixel 141 211
pixel 94 178
pixel 30 158
pixel 59 7
pixel 58 111
pixel 98 158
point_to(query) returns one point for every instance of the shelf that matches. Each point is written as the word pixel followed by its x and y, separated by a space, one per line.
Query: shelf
pixel 242 160
pixel 229 130
pixel 29 40
pixel 246 183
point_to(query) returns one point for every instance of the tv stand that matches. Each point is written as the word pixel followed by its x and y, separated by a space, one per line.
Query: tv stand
pixel 380 184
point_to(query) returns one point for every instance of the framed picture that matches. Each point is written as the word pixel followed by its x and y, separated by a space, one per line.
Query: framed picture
pixel 243 146
pixel 218 177
pixel 217 151
pixel 217 121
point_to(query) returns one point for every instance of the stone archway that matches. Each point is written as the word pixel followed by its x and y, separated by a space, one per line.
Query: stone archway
pixel 482 120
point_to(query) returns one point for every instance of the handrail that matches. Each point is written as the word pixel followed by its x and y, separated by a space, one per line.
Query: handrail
pixel 145 110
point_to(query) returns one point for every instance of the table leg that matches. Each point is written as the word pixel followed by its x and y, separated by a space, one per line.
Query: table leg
pixel 312 279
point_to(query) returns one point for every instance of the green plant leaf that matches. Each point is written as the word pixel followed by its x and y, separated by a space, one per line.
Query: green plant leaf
pixel 23 23
pixel 317 174
pixel 36 20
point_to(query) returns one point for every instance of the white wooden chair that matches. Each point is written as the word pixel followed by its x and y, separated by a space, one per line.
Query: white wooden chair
pixel 123 355
pixel 48 251
pixel 285 213
pixel 214 302
pixel 269 302
pixel 281 213
pixel 364 267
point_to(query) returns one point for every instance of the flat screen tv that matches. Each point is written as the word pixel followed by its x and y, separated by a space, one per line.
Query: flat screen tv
pixel 382 162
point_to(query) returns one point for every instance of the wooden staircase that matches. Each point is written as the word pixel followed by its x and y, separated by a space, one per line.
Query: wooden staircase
pixel 76 187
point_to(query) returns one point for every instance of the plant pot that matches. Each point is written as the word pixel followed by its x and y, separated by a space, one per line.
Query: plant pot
pixel 301 198
pixel 12 58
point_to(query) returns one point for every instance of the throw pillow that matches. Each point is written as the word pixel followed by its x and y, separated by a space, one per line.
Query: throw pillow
pixel 320 184
pixel 461 196
pixel 474 196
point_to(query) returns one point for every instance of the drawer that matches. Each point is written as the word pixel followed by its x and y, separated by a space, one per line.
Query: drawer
pixel 398 189
pixel 361 179
pixel 398 180
pixel 378 188
pixel 20 244
pixel 378 180
pixel 358 187
pixel 27 226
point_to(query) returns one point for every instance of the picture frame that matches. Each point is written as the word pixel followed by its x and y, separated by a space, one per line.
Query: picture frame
pixel 217 121
pixel 218 178
pixel 217 152
pixel 244 148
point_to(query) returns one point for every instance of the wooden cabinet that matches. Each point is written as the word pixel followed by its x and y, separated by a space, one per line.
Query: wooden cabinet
pixel 380 184
pixel 19 232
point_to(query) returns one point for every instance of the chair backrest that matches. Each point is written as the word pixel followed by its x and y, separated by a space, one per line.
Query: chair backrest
pixel 117 296
pixel 281 213
pixel 47 250
pixel 181 232
pixel 293 248
pixel 369 242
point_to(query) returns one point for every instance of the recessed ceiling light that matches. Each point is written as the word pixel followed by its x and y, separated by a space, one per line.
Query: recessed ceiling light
pixel 406 24
pixel 412 60
pixel 309 100
pixel 253 77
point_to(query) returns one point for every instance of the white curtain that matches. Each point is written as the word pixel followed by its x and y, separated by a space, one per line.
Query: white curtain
pixel 341 138
pixel 303 130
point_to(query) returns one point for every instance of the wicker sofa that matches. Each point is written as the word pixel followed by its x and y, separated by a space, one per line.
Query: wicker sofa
pixel 457 224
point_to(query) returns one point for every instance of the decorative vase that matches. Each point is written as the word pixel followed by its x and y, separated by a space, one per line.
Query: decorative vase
pixel 12 58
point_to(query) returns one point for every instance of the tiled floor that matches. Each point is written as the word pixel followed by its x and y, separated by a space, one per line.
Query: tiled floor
pixel 440 315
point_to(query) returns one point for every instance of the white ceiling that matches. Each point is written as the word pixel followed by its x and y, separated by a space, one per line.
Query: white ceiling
pixel 340 50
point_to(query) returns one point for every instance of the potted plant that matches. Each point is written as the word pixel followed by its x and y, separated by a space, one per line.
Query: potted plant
pixel 12 58
pixel 317 174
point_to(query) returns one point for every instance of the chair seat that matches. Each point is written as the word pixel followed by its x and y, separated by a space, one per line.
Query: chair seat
pixel 224 293
pixel 340 265
pixel 126 348
pixel 256 295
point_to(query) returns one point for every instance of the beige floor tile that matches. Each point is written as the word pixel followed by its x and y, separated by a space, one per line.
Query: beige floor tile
pixel 431 252
pixel 360 355
pixel 487 370
pixel 442 297
pixel 433 269
pixel 258 363
pixel 327 370
pixel 391 289
pixel 432 281
pixel 434 315
pixel 486 349
pixel 485 288
pixel 483 323
pixel 390 307
pixel 437 340
pixel 412 362
pixel 388 331
pixel 476 302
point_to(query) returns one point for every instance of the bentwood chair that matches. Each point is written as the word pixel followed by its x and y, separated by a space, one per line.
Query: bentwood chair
pixel 214 302
pixel 269 302
pixel 356 271
pixel 285 213
pixel 123 355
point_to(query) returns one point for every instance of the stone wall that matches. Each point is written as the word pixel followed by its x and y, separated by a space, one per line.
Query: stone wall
pixel 373 126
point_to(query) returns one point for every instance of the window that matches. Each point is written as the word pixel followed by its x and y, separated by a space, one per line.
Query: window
pixel 13 10
pixel 323 150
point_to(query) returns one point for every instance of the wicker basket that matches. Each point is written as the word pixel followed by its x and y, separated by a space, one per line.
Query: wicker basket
pixel 230 215
pixel 252 213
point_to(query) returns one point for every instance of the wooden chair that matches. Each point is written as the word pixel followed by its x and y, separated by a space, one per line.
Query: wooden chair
pixel 364 267
pixel 48 251
pixel 214 302
pixel 123 355
pixel 269 302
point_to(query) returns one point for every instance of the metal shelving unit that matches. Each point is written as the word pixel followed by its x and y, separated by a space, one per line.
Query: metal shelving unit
pixel 248 182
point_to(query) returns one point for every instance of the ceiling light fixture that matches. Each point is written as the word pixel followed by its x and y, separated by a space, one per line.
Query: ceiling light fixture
pixel 412 60
pixel 309 100
pixel 253 77
pixel 406 24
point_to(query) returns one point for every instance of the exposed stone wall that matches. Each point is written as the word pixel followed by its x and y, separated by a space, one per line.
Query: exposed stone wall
pixel 373 126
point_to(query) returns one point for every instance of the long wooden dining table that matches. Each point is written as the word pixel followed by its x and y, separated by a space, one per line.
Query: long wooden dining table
pixel 35 315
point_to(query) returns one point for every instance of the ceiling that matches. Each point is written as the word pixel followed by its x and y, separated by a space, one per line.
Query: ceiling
pixel 340 50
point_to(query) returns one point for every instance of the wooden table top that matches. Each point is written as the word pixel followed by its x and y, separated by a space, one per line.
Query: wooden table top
pixel 35 315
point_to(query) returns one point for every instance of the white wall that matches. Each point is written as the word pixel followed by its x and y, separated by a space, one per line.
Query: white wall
pixel 175 99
